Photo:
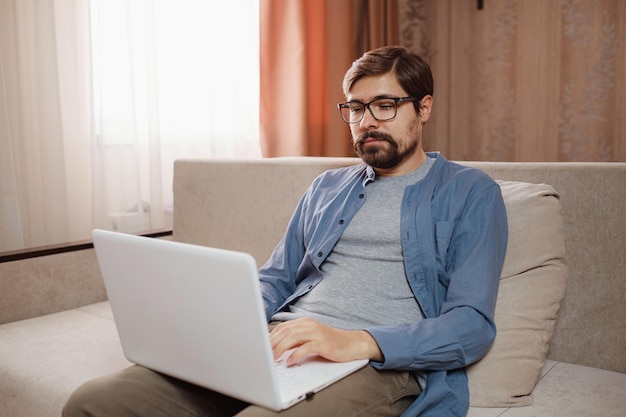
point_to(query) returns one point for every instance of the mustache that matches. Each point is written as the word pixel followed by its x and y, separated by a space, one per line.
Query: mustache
pixel 374 135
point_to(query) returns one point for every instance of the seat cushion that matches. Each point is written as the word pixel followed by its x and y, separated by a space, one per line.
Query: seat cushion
pixel 532 287
pixel 565 390
pixel 42 360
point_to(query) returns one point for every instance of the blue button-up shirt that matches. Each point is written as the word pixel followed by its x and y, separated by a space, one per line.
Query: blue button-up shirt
pixel 454 236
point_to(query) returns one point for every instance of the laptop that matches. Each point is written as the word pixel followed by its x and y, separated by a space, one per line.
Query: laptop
pixel 196 313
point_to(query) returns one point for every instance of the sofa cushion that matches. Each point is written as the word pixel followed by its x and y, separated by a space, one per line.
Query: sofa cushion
pixel 532 287
pixel 565 390
pixel 44 359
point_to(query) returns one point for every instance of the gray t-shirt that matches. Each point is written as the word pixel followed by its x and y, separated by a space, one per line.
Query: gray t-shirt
pixel 364 281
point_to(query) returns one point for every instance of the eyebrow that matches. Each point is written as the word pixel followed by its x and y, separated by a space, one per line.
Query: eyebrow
pixel 377 98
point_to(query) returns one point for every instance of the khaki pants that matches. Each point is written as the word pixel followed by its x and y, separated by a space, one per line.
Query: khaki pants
pixel 137 391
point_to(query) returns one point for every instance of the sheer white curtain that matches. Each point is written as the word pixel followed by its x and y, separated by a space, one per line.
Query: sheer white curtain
pixel 97 99
pixel 44 122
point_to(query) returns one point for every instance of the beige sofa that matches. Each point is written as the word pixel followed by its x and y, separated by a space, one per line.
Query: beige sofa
pixel 567 221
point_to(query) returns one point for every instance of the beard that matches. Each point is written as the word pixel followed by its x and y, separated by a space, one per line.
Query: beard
pixel 387 154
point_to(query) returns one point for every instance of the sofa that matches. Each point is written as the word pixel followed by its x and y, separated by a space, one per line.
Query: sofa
pixel 561 310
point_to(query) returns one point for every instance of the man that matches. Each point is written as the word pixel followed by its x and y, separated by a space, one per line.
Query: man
pixel 396 260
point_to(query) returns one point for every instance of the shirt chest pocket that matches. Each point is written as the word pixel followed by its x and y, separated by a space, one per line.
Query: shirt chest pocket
pixel 443 236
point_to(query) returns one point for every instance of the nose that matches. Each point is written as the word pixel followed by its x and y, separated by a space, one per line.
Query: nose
pixel 368 121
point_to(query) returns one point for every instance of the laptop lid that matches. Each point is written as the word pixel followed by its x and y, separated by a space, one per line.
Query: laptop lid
pixel 196 313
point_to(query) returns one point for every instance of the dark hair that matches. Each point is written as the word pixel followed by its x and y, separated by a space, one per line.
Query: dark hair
pixel 411 71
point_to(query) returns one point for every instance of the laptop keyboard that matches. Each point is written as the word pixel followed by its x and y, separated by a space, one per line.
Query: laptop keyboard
pixel 293 375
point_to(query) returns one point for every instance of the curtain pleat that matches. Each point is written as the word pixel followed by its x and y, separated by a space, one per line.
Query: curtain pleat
pixel 36 183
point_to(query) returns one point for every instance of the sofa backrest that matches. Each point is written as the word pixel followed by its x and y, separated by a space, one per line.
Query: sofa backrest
pixel 245 205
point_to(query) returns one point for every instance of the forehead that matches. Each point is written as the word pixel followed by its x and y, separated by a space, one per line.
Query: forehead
pixel 370 87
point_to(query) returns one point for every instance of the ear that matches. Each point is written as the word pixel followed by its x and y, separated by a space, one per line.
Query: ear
pixel 426 105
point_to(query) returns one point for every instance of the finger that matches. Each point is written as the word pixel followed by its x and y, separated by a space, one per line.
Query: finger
pixel 293 334
pixel 301 353
pixel 284 337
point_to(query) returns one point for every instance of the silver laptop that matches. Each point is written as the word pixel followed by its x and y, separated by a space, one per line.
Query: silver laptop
pixel 196 313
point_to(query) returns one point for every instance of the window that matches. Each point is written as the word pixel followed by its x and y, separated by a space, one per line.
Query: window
pixel 171 79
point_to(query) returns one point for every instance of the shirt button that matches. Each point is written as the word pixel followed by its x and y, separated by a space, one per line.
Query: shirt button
pixel 361 195
pixel 341 221
pixel 319 254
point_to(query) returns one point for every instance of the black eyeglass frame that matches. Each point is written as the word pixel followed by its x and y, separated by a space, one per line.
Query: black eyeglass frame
pixel 397 100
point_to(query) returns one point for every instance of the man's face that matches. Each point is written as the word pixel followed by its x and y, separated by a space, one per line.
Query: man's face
pixel 394 146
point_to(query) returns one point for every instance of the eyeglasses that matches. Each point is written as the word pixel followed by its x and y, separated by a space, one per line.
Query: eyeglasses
pixel 382 109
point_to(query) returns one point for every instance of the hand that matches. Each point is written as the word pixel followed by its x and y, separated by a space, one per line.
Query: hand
pixel 309 337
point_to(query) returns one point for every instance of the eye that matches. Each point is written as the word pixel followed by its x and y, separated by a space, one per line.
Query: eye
pixel 355 107
pixel 385 105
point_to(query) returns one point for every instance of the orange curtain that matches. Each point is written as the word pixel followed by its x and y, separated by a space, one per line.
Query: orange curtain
pixel 306 48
